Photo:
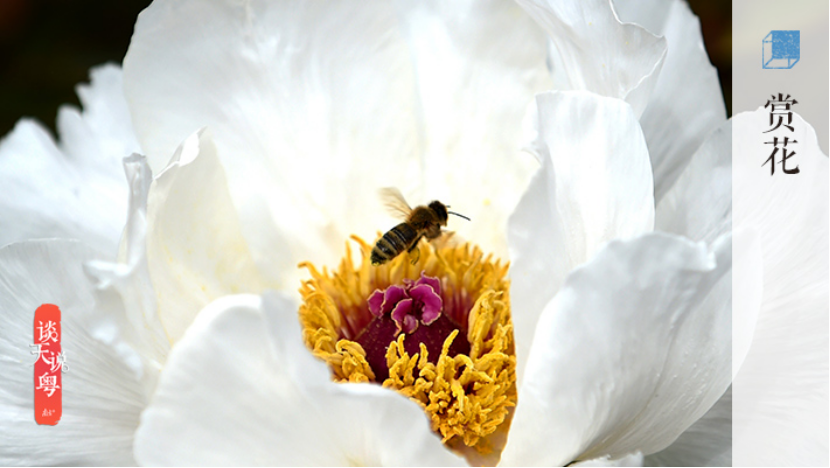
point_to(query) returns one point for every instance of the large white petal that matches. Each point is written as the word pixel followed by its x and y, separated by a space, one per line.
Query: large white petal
pixel 632 351
pixel 315 114
pixel 708 442
pixel 686 104
pixel 478 65
pixel 594 185
pixel 310 113
pixel 102 395
pixel 240 388
pixel 75 190
pixel 699 205
pixel 781 391
pixel 195 249
pixel 593 51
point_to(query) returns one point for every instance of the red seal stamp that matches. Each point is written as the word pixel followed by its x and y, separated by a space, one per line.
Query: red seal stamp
pixel 50 362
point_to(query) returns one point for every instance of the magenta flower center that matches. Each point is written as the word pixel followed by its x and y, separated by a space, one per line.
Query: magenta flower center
pixel 415 309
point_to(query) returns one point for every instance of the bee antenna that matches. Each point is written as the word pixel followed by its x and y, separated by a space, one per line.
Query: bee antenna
pixel 459 215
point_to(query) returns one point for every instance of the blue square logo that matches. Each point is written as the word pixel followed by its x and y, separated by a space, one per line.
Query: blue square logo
pixel 781 50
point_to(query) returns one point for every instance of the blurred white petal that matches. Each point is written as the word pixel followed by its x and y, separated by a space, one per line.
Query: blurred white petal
pixel 686 104
pixel 594 185
pixel 262 399
pixel 781 390
pixel 101 134
pixel 102 396
pixel 74 189
pixel 47 194
pixel 631 352
pixel 593 51
pixel 195 249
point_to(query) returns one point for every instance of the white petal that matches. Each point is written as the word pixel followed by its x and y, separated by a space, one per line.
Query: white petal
pixel 635 459
pixel 597 53
pixel 686 103
pixel 632 351
pixel 241 383
pixel 47 194
pixel 781 391
pixel 594 186
pixel 478 65
pixel 195 249
pixel 102 397
pixel 699 205
pixel 124 287
pixel 310 114
pixel 707 443
pixel 101 134
pixel 747 292
pixel 75 189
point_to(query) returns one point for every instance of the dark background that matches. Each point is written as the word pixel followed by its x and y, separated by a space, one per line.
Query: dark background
pixel 48 47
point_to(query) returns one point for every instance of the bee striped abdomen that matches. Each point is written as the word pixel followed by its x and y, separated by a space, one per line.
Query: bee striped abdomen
pixel 395 241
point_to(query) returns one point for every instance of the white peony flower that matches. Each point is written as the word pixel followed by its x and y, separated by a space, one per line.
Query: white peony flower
pixel 621 346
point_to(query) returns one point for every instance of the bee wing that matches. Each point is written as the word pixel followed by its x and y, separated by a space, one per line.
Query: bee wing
pixel 395 202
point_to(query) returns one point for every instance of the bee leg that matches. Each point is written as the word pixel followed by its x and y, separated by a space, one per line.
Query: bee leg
pixel 414 252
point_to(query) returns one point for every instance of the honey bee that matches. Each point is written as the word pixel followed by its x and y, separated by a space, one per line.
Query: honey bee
pixel 421 221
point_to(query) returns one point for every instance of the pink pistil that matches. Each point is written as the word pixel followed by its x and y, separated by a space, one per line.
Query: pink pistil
pixel 417 302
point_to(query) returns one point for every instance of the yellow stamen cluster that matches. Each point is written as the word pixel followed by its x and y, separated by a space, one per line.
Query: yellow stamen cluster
pixel 468 398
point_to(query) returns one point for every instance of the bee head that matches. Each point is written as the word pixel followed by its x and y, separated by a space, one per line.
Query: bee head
pixel 440 210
